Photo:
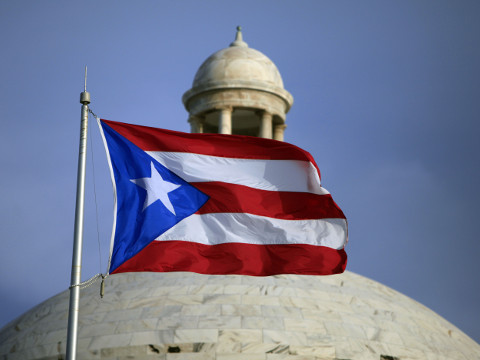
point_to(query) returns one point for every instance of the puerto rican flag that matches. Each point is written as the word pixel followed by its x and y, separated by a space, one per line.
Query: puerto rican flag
pixel 219 204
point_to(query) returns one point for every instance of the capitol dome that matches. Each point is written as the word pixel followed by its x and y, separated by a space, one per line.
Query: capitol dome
pixel 191 316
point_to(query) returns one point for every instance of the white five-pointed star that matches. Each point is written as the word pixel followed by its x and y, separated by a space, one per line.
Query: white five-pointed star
pixel 157 189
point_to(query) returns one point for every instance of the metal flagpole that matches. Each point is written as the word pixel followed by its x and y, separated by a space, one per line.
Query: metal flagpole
pixel 78 231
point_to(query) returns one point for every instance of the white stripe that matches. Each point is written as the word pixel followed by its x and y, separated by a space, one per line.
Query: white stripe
pixel 219 228
pixel 273 175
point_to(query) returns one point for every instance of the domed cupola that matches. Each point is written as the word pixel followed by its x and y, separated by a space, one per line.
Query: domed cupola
pixel 238 90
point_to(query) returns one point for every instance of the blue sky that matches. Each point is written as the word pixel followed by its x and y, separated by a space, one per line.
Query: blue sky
pixel 386 100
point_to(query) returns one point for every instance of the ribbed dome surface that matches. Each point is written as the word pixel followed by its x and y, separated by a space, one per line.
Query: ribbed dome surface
pixel 191 316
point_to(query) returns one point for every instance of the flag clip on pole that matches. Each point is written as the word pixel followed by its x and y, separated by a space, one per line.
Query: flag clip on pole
pixel 78 230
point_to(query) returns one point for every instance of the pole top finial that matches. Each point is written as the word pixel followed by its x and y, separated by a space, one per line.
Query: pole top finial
pixel 85 95
pixel 239 38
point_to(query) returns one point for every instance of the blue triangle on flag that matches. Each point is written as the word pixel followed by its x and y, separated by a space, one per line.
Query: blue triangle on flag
pixel 139 222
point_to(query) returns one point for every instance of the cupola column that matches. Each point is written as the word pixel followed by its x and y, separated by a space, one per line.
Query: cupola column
pixel 265 125
pixel 225 121
pixel 196 124
pixel 278 131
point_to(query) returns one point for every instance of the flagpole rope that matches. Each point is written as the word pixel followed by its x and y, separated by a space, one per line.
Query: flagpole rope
pixel 114 193
pixel 109 258
pixel 88 282
pixel 96 277
pixel 94 115
pixel 96 205
pixel 92 281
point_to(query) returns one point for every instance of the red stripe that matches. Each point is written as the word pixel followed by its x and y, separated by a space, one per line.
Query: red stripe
pixel 237 146
pixel 236 258
pixel 231 198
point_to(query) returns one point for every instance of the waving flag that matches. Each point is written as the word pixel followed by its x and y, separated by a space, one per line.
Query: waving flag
pixel 219 204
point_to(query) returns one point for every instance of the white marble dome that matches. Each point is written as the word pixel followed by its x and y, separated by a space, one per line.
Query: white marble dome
pixel 190 316
pixel 238 76
pixel 238 63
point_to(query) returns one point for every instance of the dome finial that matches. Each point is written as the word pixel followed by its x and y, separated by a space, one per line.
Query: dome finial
pixel 239 38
